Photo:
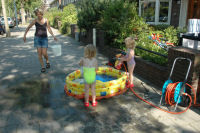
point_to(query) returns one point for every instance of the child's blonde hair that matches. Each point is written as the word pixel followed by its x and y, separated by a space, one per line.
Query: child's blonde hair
pixel 90 51
pixel 130 42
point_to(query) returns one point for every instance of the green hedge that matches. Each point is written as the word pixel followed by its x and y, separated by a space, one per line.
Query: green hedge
pixel 90 13
pixel 119 20
pixel 67 17
pixel 53 15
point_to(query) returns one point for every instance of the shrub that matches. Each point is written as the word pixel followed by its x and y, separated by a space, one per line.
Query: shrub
pixel 148 44
pixel 90 13
pixel 120 20
pixel 53 15
pixel 159 27
pixel 65 29
pixel 168 32
pixel 69 16
pixel 171 34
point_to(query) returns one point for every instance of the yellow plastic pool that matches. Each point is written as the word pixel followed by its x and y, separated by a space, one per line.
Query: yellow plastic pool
pixel 103 89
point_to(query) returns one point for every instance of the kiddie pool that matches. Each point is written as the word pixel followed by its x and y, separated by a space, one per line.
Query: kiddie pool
pixel 103 89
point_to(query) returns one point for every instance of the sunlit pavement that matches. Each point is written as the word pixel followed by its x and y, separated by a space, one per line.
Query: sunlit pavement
pixel 31 102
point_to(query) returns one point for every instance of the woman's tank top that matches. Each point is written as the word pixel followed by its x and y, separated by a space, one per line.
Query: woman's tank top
pixel 41 30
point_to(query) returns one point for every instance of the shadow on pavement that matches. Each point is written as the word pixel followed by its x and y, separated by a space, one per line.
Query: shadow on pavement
pixel 41 105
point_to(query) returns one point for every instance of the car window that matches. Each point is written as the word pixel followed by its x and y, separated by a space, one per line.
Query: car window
pixel 9 19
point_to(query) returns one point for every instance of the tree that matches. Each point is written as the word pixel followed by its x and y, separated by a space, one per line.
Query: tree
pixel 30 7
pixel 5 18
pixel 27 6
pixel 9 7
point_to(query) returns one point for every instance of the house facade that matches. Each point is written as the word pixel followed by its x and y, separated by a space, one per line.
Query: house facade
pixel 171 12
pixel 57 3
pixel 46 4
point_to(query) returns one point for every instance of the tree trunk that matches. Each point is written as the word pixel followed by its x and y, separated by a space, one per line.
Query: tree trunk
pixel 23 14
pixel 5 18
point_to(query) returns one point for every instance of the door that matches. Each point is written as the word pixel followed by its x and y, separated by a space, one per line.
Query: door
pixel 194 9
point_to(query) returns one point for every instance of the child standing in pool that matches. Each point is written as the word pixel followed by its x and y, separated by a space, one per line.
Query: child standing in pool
pixel 89 63
pixel 129 58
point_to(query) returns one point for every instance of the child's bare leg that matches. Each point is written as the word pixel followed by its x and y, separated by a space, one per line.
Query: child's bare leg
pixel 87 93
pixel 130 70
pixel 93 92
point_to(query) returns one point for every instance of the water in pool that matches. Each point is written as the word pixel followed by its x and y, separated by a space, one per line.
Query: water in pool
pixel 105 78
pixel 101 77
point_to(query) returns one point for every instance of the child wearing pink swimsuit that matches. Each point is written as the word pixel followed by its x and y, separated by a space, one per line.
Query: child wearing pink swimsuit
pixel 129 58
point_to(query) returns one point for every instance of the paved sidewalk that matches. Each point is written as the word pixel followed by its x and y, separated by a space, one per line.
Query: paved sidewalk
pixel 19 60
pixel 31 102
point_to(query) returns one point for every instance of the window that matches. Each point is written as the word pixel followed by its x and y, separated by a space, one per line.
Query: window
pixel 164 8
pixel 155 11
pixel 148 11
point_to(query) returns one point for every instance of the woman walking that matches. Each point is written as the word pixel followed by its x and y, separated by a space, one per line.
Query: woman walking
pixel 41 38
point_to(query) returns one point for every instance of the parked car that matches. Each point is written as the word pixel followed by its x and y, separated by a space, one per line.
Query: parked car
pixel 10 22
pixel 2 29
pixel 163 19
pixel 15 23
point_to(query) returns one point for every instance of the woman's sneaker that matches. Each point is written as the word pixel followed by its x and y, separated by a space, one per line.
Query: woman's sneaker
pixel 43 70
pixel 47 65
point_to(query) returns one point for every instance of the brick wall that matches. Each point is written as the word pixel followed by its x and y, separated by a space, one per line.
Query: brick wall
pixel 87 37
pixel 152 72
pixel 100 38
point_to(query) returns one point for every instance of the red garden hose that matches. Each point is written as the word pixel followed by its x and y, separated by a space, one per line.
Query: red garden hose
pixel 169 98
pixel 161 108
